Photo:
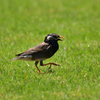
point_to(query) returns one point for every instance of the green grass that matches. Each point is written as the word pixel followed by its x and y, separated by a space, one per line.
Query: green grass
pixel 24 24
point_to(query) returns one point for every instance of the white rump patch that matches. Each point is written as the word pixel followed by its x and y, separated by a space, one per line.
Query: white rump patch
pixel 27 56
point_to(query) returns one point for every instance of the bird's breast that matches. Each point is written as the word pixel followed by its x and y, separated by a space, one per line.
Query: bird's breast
pixel 52 50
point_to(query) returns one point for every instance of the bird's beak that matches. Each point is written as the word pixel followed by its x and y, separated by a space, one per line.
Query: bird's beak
pixel 61 37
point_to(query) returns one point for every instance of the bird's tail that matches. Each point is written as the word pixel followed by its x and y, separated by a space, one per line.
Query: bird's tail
pixel 14 59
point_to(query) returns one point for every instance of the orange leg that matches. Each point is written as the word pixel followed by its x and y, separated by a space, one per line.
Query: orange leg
pixel 50 64
pixel 37 67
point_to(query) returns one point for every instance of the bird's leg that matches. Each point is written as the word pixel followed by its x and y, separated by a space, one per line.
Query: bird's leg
pixel 41 63
pixel 50 64
pixel 37 67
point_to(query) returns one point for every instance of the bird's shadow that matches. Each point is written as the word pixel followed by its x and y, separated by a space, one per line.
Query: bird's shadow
pixel 50 71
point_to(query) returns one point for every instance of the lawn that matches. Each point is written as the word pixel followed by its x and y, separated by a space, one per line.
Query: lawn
pixel 24 24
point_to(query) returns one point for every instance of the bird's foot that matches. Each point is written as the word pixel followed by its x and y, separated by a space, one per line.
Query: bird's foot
pixel 41 72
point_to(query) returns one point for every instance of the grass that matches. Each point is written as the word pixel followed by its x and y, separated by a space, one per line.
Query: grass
pixel 24 24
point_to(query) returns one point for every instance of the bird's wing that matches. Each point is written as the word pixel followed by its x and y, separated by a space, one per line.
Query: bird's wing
pixel 39 48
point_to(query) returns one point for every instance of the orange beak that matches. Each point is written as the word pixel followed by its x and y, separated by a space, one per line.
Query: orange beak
pixel 61 37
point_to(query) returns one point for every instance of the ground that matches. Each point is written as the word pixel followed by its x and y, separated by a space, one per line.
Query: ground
pixel 24 24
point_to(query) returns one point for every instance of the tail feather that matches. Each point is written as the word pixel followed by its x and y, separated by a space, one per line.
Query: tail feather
pixel 14 59
pixel 18 54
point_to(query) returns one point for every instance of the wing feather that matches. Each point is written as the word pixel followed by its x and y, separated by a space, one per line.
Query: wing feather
pixel 39 48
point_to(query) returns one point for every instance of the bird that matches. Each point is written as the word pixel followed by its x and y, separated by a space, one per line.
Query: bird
pixel 42 51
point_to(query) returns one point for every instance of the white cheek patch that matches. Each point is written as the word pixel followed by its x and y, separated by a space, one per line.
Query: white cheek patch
pixel 49 37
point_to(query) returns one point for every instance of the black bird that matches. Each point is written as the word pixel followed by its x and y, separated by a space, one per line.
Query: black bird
pixel 42 51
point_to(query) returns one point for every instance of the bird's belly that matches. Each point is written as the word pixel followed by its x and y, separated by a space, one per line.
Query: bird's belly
pixel 40 55
pixel 50 53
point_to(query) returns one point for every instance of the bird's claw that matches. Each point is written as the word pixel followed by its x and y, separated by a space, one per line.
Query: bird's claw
pixel 41 72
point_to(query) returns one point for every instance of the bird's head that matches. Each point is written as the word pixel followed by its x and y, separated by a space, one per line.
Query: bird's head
pixel 53 37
